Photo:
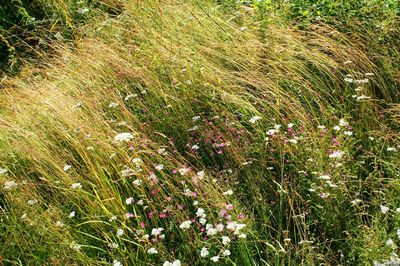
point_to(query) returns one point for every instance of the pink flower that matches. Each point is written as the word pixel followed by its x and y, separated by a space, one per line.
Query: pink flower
pixel 142 224
pixel 163 215
pixel 174 171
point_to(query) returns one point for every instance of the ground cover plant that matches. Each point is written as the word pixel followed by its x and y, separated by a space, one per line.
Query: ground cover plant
pixel 169 132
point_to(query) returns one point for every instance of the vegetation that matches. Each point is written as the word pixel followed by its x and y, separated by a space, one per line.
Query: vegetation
pixel 173 132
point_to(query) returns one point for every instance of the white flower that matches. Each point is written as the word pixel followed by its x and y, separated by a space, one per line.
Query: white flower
pixel 129 201
pixel 363 97
pixel 183 171
pixel 336 154
pixel 337 128
pixel 159 167
pixel 195 203
pixel 290 125
pixel 398 210
pixel 215 258
pixel 195 147
pixel 3 171
pixel 348 80
pixel 67 167
pixel 123 137
pixel 204 252
pixel 226 252
pixel 398 233
pixel 272 132
pixel 384 209
pixel 220 227
pixel 185 224
pixel 243 28
pixel 321 127
pixel 113 105
pixel 9 185
pixel 140 202
pixel 113 245
pixel 228 193
pixel 254 119
pixel 120 232
pixel 343 123
pixel 356 202
pixel 242 236
pixel 152 251
pixel 200 174
pixel 324 177
pixel 59 224
pixel 72 214
pixel 32 202
pixel 76 185
pixel 156 231
pixel 390 243
pixel 203 221
pixel 235 227
pixel 176 263
pixel 348 133
pixel 83 10
pixel 200 212
pixel 77 247
pixel 137 182
pixel 391 149
pixel 225 240
pixel 167 263
pixel 195 118
pixel 130 96
pixel 113 218
pixel 117 263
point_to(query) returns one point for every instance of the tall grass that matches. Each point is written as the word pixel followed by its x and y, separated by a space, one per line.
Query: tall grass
pixel 286 133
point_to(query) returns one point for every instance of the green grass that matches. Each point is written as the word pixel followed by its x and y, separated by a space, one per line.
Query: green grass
pixel 289 132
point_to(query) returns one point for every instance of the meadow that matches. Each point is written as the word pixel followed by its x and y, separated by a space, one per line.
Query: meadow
pixel 188 132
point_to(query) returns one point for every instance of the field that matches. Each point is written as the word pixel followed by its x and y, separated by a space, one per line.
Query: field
pixel 188 132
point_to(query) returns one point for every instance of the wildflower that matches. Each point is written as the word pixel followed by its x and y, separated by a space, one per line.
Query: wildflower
pixel 202 221
pixel 193 128
pixel 254 119
pixel 76 185
pixel 120 232
pixel 123 137
pixel 129 201
pixel 195 147
pixel 161 151
pixel 356 201
pixel 195 118
pixel 137 182
pixel 384 209
pixel 363 97
pixel 77 247
pixel 226 252
pixel 174 263
pixel 242 235
pixel 272 132
pixel 140 202
pixel 235 227
pixel 390 243
pixel 152 251
pixel 348 133
pixel 391 149
pixel 336 154
pixel 72 214
pixel 219 227
pixel 185 224
pixel 211 230
pixel 130 96
pixel 156 231
pixel 32 202
pixel 159 167
pixel 113 105
pixel 204 252
pixel 324 177
pixel 200 212
pixel 398 233
pixel 290 125
pixel 83 10
pixel 225 240
pixel 113 245
pixel 183 171
pixel 215 258
pixel 113 218
pixel 321 127
pixel 200 174
pixel 67 167
pixel 3 171
pixel 117 263
pixel 59 224
pixel 336 128
pixel 243 28
pixel 348 80
pixel 9 185
pixel 228 193
pixel 398 210
pixel 343 123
